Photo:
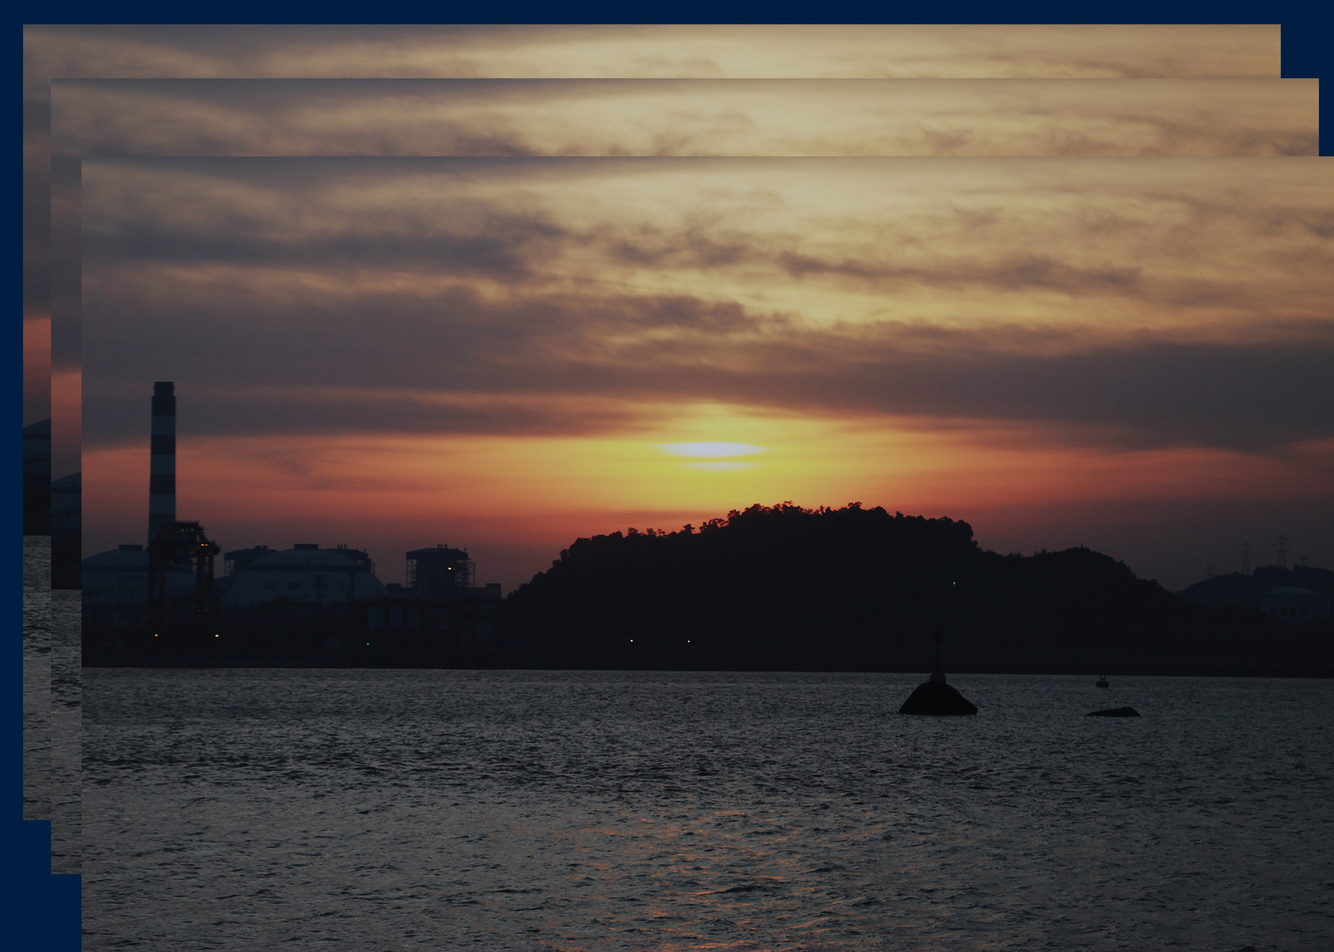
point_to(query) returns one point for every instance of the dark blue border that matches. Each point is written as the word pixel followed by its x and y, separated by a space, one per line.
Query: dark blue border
pixel 41 911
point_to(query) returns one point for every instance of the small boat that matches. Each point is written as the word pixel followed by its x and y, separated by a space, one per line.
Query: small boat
pixel 1102 681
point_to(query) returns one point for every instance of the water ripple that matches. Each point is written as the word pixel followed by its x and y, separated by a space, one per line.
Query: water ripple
pixel 619 812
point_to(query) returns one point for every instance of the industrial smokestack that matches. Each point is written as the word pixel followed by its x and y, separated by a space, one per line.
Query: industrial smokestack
pixel 162 465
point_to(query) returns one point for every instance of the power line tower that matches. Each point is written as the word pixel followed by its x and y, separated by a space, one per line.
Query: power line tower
pixel 1281 549
pixel 1245 558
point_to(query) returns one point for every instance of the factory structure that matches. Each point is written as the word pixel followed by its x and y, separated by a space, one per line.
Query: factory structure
pixel 305 604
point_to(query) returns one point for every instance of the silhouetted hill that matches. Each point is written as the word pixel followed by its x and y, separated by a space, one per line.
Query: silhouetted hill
pixel 854 588
pixel 1244 591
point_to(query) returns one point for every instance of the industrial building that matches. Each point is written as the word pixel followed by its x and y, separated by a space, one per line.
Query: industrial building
pixel 1296 606
pixel 301 605
pixel 119 579
pixel 302 575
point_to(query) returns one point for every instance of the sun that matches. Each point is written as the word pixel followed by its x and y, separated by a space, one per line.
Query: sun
pixel 710 449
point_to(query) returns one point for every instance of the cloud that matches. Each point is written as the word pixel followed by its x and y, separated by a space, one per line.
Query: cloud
pixel 500 249
pixel 619 51
pixel 675 117
pixel 1148 390
pixel 460 363
pixel 1130 304
pixel 295 217
pixel 1142 234
pixel 1010 272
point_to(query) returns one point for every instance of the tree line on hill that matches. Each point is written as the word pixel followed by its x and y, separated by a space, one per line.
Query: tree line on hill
pixel 861 589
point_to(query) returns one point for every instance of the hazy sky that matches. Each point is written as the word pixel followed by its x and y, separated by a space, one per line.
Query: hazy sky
pixel 641 117
pixel 504 354
pixel 559 117
pixel 516 351
pixel 741 51
pixel 711 51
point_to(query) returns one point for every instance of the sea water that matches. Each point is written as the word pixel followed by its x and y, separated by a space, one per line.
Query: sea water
pixel 436 810
pixel 52 689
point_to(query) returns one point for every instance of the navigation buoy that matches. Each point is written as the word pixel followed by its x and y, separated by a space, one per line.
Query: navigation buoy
pixel 934 696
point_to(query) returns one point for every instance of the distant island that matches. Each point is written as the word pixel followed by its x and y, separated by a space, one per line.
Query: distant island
pixel 767 588
pixel 785 587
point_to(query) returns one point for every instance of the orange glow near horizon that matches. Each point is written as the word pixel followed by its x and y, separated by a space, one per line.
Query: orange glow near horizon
pixel 36 368
pixel 66 420
pixel 67 392
pixel 516 353
pixel 37 345
pixel 555 489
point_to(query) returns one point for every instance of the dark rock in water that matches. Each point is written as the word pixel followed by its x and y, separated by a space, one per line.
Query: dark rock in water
pixel 1115 712
pixel 937 697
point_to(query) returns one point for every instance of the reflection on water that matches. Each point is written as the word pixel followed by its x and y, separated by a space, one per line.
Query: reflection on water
pixel 417 810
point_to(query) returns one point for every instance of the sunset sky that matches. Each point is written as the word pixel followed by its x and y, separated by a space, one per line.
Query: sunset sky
pixel 617 117
pixel 744 51
pixel 503 353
